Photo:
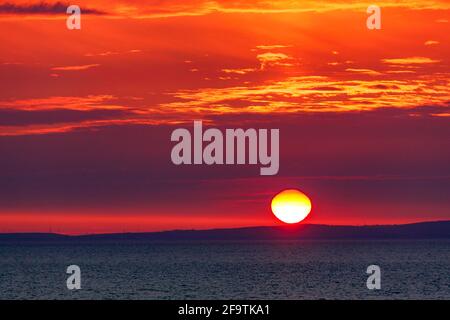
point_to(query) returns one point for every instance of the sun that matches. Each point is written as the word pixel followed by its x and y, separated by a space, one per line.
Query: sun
pixel 291 206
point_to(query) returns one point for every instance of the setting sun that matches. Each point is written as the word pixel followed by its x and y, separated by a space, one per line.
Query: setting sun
pixel 291 206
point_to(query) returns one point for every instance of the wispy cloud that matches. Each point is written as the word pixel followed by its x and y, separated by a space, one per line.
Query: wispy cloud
pixel 364 71
pixel 313 94
pixel 175 8
pixel 111 53
pixel 75 68
pixel 239 71
pixel 101 54
pixel 270 58
pixel 410 60
pixel 90 102
pixel 271 47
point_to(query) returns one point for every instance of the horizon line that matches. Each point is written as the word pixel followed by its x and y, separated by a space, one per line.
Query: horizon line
pixel 221 229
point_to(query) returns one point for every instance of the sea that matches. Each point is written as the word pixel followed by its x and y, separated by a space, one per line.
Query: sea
pixel 290 270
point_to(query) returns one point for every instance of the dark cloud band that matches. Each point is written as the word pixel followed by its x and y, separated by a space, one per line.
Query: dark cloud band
pixel 41 8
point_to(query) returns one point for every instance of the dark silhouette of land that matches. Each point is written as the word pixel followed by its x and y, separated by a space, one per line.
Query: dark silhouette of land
pixel 422 230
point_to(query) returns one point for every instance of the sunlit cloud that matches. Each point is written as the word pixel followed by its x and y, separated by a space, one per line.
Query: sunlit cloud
pixel 68 127
pixel 239 71
pixel 313 94
pixel 410 60
pixel 445 114
pixel 111 53
pixel 293 95
pixel 101 54
pixel 364 71
pixel 161 9
pixel 401 71
pixel 70 103
pixel 273 59
pixel 271 47
pixel 75 68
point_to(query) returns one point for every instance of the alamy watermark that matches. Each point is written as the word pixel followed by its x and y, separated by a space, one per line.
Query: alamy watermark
pixel 374 280
pixel 74 280
pixel 235 151
pixel 374 20
pixel 73 21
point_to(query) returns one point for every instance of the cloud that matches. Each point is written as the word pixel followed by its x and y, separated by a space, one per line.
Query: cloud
pixel 175 8
pixel 400 71
pixel 270 58
pixel 101 54
pixel 111 53
pixel 41 8
pixel 60 114
pixel 75 68
pixel 410 60
pixel 271 47
pixel 441 114
pixel 431 42
pixel 312 94
pixel 239 71
pixel 12 117
pixel 90 102
pixel 364 71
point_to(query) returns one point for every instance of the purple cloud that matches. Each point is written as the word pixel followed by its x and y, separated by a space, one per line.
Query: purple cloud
pixel 41 8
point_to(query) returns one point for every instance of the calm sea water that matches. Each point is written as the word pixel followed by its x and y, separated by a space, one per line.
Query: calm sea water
pixel 238 270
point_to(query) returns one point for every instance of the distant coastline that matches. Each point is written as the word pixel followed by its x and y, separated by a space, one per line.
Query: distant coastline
pixel 421 230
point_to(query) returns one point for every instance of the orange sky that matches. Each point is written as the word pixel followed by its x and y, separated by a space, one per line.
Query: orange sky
pixel 85 113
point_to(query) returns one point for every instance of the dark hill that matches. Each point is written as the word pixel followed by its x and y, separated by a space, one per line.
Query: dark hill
pixel 423 230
